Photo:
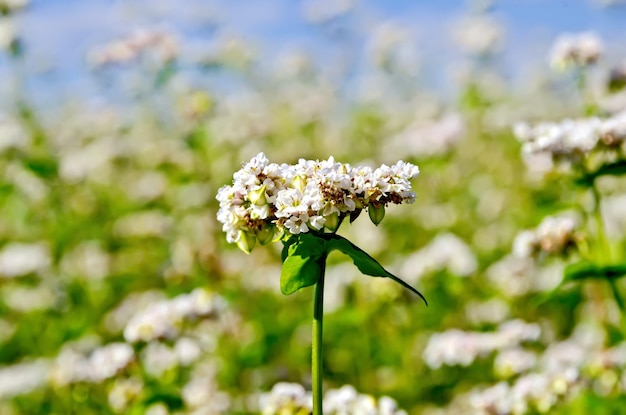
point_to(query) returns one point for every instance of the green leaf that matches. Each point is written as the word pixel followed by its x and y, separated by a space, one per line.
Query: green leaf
pixel 585 269
pixel 617 168
pixel 303 262
pixel 355 214
pixel 363 261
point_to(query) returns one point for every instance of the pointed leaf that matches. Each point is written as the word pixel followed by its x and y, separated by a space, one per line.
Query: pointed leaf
pixel 363 261
pixel 302 266
pixel 585 269
pixel 355 214
pixel 617 168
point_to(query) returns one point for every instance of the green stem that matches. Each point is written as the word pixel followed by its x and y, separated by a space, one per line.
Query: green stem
pixel 606 247
pixel 318 320
pixel 618 297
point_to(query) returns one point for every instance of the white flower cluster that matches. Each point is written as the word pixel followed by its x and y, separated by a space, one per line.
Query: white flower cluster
pixel 572 136
pixel 158 358
pixel 564 370
pixel 554 235
pixel 163 43
pixel 446 252
pixel 575 50
pixel 538 391
pixel 267 199
pixel 13 5
pixel 102 363
pixel 165 318
pixel 292 398
pixel 18 259
pixel 23 378
pixel 429 138
pixel 516 276
pixel 457 347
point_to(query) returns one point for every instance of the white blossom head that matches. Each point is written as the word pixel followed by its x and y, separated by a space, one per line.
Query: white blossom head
pixel 267 200
pixel 581 49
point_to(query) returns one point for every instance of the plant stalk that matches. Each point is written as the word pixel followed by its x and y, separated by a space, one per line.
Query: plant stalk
pixel 318 320
pixel 606 252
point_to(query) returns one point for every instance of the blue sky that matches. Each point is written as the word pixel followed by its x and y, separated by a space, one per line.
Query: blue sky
pixel 59 33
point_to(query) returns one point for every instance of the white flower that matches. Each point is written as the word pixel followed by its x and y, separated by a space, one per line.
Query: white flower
pixel 575 49
pixel 296 198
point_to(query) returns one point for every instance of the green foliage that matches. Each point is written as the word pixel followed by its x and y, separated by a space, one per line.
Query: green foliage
pixel 304 257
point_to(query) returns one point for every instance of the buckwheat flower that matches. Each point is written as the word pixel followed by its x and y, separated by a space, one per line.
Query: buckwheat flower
pixel 510 362
pixel 267 200
pixel 17 259
pixel 23 378
pixel 575 50
pixel 286 397
pixel 478 35
pixel 554 235
pixel 10 6
pixel 93 366
pixel 123 392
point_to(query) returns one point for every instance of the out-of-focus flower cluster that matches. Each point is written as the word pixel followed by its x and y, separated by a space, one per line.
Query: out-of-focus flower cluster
pixel 539 382
pixel 555 235
pixel 572 137
pixel 445 252
pixel 164 319
pixel 457 347
pixel 267 199
pixel 161 43
pixel 575 50
pixel 293 399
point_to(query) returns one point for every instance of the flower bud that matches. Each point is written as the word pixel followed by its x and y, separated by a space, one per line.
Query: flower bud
pixel 258 196
pixel 246 241
pixel 299 182
pixel 265 235
pixel 332 222
pixel 376 212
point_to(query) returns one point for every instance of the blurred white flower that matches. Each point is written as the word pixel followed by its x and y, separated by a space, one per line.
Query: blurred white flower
pixel 10 6
pixel 492 311
pixel 445 252
pixel 510 362
pixel 73 365
pixel 157 358
pixel 8 33
pixel 429 138
pixel 88 260
pixel 164 319
pixel 293 398
pixel 25 299
pixel 320 11
pixel 142 224
pixel 123 392
pixel 162 43
pixel 157 409
pixel 479 35
pixel 201 393
pixel 23 378
pixel 553 236
pixel 28 183
pixel 457 347
pixel 17 259
pixel 575 49
pixel 12 134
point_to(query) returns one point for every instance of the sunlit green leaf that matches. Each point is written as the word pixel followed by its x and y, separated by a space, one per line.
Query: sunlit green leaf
pixel 585 269
pixel 363 261
pixel 303 263
pixel 613 169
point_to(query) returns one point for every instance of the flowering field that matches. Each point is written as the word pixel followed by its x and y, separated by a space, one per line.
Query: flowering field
pixel 124 288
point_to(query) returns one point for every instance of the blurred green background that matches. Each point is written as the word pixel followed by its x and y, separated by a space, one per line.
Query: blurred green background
pixel 118 291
